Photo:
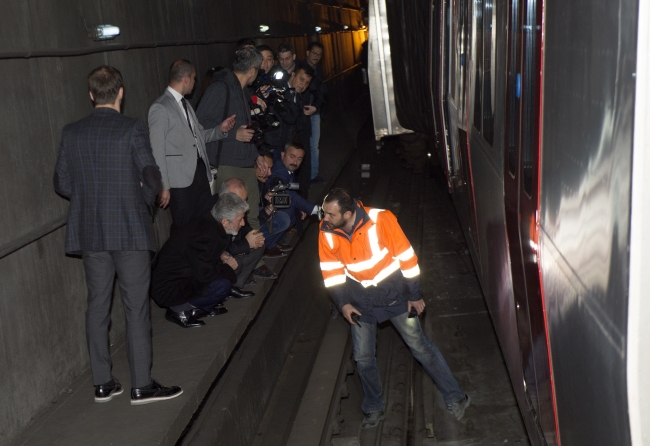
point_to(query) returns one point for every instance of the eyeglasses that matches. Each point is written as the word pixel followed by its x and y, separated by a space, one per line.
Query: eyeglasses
pixel 316 54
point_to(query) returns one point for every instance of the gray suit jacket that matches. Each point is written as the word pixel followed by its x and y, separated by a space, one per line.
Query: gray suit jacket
pixel 173 143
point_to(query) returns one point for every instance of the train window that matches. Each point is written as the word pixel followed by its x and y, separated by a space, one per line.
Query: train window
pixel 513 93
pixel 489 48
pixel 484 83
pixel 531 85
pixel 454 50
pixel 478 81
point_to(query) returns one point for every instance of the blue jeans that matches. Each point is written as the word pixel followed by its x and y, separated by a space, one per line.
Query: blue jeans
pixel 313 143
pixel 365 340
pixel 281 222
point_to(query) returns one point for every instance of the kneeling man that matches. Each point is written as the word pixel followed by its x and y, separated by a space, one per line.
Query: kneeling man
pixel 193 273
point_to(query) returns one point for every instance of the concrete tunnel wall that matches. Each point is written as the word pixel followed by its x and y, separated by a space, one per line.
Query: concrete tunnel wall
pixel 45 56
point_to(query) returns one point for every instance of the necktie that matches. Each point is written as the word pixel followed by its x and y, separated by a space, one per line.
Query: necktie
pixel 187 114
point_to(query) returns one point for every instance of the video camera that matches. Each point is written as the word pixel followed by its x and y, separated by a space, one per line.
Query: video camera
pixel 280 198
pixel 264 121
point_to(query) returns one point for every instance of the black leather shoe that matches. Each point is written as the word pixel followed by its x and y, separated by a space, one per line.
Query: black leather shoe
pixel 184 319
pixel 153 392
pixel 105 392
pixel 198 313
pixel 238 293
pixel 264 273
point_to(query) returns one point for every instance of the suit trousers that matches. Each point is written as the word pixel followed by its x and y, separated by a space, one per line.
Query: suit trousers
pixel 133 274
pixel 190 202
pixel 249 262
pixel 247 175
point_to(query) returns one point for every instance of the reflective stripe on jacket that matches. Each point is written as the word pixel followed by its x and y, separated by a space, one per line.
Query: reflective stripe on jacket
pixel 376 249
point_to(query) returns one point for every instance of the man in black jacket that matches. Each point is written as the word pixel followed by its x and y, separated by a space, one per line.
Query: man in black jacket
pixel 319 90
pixel 236 154
pixel 247 246
pixel 193 273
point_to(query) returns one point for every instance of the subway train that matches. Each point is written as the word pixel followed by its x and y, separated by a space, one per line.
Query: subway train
pixel 538 113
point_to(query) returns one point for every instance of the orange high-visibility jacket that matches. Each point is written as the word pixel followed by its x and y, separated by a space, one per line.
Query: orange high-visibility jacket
pixel 376 249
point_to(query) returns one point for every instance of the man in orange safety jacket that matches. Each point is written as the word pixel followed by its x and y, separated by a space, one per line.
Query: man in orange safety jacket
pixel 372 273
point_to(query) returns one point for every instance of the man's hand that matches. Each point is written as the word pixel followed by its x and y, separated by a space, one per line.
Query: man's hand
pixel 348 310
pixel 261 103
pixel 229 260
pixel 163 198
pixel 262 91
pixel 303 215
pixel 309 110
pixel 255 239
pixel 418 305
pixel 227 124
pixel 263 166
pixel 245 135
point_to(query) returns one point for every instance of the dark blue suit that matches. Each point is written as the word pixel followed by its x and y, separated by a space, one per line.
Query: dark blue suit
pixel 106 169
pixel 298 203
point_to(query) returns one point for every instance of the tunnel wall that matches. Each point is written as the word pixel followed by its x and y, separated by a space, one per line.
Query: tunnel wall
pixel 45 56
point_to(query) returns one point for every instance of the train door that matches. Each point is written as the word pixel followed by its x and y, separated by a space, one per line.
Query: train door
pixel 521 195
pixel 461 170
pixel 440 39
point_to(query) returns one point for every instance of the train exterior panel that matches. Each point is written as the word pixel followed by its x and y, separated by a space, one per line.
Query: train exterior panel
pixel 562 131
pixel 535 105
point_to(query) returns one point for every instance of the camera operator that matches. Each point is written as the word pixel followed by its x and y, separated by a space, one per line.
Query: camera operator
pixel 235 155
pixel 267 68
pixel 284 172
pixel 273 224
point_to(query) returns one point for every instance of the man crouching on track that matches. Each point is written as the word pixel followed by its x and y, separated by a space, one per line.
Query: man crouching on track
pixel 361 252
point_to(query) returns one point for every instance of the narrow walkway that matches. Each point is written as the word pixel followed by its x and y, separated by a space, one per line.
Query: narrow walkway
pixel 190 358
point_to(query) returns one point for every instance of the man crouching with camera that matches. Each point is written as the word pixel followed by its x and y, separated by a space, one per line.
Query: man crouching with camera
pixel 289 202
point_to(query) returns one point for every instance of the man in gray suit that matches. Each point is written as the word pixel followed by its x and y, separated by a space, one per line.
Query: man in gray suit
pixel 106 169
pixel 178 142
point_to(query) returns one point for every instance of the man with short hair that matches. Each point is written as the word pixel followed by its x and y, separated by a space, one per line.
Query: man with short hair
pixel 372 273
pixel 106 169
pixel 294 121
pixel 319 91
pixel 299 81
pixel 287 58
pixel 235 155
pixel 193 273
pixel 274 224
pixel 178 141
pixel 284 171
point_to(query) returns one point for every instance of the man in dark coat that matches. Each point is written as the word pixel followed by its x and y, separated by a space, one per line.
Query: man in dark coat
pixel 106 169
pixel 235 155
pixel 193 273
pixel 284 171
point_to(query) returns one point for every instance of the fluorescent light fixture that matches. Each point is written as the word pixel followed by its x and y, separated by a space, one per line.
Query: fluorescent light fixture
pixel 105 32
pixel 264 28
pixel 318 28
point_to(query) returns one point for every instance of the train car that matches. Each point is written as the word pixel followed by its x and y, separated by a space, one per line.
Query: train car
pixel 538 111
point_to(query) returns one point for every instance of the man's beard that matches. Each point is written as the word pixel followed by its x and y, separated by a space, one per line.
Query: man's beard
pixel 230 230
